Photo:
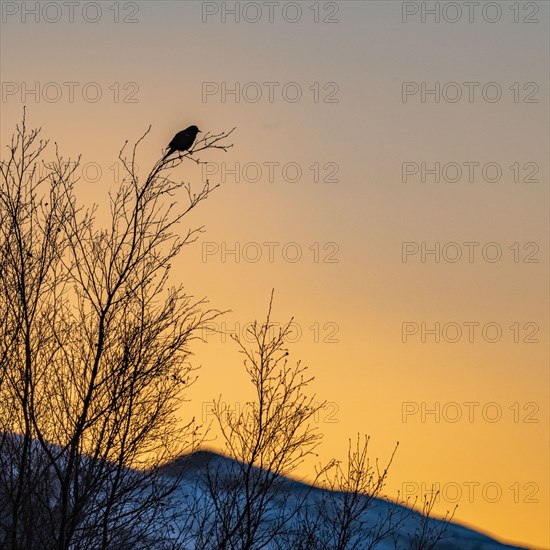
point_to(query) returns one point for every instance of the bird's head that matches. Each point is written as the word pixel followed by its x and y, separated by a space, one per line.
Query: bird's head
pixel 194 130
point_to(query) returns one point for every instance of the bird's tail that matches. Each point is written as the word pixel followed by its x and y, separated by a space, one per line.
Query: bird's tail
pixel 170 151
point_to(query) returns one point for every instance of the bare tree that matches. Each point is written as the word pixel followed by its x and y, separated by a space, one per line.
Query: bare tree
pixel 428 533
pixel 348 513
pixel 94 350
pixel 247 503
pixel 352 513
pixel 250 503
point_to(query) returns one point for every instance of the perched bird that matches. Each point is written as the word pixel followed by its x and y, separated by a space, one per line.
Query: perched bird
pixel 182 141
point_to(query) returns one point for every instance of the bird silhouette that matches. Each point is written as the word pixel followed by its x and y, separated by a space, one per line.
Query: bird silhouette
pixel 182 141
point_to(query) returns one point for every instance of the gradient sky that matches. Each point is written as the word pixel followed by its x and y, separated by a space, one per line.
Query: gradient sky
pixel 153 66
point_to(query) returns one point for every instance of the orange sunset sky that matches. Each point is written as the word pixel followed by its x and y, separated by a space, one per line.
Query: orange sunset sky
pixel 389 179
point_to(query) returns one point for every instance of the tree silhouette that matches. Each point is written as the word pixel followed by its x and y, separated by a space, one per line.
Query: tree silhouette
pixel 248 506
pixel 250 503
pixel 94 348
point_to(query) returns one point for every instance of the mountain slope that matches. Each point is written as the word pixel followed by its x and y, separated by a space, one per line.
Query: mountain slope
pixel 195 469
pixel 209 491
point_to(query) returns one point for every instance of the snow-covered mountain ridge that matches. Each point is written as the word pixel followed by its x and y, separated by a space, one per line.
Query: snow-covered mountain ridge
pixel 194 469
